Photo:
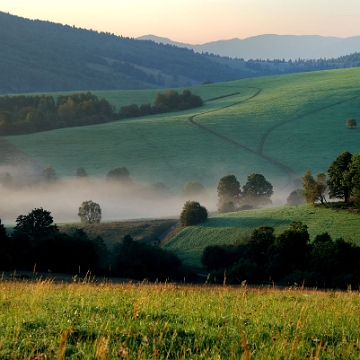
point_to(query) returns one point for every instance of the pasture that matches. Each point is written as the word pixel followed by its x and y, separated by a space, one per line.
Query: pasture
pixel 232 227
pixel 84 320
pixel 278 126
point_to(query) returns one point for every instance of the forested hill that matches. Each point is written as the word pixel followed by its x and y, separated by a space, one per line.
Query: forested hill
pixel 40 56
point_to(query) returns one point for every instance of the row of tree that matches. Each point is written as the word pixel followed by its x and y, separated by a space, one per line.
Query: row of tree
pixel 23 114
pixel 287 258
pixel 37 244
pixel 170 100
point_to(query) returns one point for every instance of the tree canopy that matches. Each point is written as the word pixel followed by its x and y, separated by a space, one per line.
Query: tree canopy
pixel 193 213
pixel 90 212
pixel 257 190
pixel 228 190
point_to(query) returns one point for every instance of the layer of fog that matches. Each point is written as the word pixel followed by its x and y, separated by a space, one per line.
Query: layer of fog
pixel 63 198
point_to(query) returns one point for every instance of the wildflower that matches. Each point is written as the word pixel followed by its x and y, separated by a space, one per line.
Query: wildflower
pixel 273 338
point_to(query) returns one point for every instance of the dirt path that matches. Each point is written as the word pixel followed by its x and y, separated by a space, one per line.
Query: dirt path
pixel 289 172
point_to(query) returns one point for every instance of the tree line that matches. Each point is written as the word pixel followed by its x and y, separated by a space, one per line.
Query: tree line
pixel 24 114
pixel 286 258
pixel 36 244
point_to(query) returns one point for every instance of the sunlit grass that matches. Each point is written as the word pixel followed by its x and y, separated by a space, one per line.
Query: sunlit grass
pixel 167 321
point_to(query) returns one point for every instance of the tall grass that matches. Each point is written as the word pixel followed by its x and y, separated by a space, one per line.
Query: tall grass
pixel 167 321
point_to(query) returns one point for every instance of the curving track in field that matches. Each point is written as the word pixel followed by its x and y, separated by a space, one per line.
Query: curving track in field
pixel 259 152
pixel 289 172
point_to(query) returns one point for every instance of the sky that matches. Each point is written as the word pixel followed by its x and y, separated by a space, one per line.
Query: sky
pixel 198 21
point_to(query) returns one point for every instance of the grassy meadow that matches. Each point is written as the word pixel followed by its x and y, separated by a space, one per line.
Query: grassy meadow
pixel 232 227
pixel 44 320
pixel 297 120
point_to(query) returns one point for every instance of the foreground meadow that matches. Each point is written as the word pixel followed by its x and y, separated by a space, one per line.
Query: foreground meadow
pixel 167 321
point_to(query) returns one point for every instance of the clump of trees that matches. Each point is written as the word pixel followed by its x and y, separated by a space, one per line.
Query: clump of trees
pixel 165 102
pixel 24 114
pixel 256 192
pixel 120 174
pixel 193 213
pixel 342 181
pixel 193 189
pixel 37 242
pixel 286 258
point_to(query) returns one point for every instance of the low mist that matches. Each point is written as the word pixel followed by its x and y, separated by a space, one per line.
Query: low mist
pixel 63 197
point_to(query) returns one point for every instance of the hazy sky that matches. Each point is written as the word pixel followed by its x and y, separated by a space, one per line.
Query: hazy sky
pixel 198 21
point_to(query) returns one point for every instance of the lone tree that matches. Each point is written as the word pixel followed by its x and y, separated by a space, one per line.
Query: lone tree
pixel 351 123
pixel 89 212
pixel 339 182
pixel 37 223
pixel 257 191
pixel 296 197
pixel 121 174
pixel 49 173
pixel 193 213
pixel 81 173
pixel 228 191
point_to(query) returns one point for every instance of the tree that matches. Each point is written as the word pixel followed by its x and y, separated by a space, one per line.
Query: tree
pixel 296 197
pixel 49 173
pixel 339 182
pixel 353 176
pixel 314 190
pixel 228 189
pixel 351 123
pixel 5 249
pixel 37 223
pixel 90 212
pixel 257 191
pixel 193 189
pixel 119 174
pixel 193 213
pixel 81 173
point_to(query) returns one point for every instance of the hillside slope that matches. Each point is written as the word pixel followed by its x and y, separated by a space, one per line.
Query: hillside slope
pixel 278 126
pixel 40 56
pixel 229 228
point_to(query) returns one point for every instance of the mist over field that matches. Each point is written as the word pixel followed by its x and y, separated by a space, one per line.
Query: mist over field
pixel 63 198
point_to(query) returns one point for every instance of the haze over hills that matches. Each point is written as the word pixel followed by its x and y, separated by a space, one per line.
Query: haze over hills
pixel 270 46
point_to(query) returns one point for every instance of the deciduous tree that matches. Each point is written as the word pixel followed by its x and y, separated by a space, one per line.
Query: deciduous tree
pixel 228 189
pixel 257 191
pixel 90 212
pixel 193 213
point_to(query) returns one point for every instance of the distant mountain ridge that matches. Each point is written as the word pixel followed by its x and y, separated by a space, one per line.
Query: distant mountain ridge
pixel 271 46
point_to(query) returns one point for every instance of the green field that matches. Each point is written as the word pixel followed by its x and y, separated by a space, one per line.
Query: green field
pixel 232 227
pixel 41 320
pixel 296 122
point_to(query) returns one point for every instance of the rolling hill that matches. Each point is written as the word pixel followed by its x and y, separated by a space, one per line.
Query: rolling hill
pixel 278 126
pixel 232 227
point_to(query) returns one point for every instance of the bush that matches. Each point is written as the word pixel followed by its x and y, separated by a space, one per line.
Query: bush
pixel 193 213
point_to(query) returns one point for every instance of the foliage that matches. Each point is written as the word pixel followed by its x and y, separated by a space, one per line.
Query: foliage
pixel 227 206
pixel 193 213
pixel 90 212
pixel 296 197
pixel 228 190
pixel 314 190
pixel 37 223
pixel 193 189
pixel 120 174
pixel 23 114
pixel 49 173
pixel 286 257
pixel 136 260
pixel 81 173
pixel 257 190
pixel 339 184
pixel 351 123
